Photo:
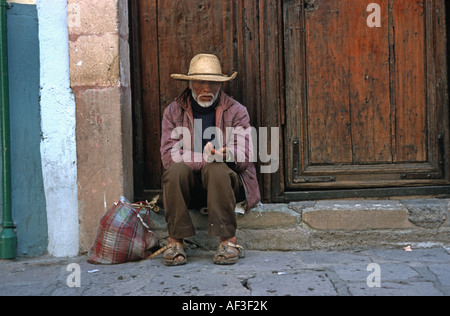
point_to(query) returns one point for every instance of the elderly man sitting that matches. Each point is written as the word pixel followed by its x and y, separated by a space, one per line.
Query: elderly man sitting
pixel 201 169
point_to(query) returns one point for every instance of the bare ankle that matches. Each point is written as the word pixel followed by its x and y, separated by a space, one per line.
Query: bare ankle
pixel 233 240
pixel 173 240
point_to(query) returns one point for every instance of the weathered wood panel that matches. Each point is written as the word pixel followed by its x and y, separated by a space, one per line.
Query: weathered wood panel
pixel 410 81
pixel 348 84
pixel 151 110
pixel 369 91
pixel 295 86
pixel 270 109
pixel 328 74
pixel 362 106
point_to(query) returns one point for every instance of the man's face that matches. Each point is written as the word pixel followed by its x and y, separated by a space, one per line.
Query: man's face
pixel 205 92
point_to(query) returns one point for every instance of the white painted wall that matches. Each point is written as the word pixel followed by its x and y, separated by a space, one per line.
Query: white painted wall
pixel 58 146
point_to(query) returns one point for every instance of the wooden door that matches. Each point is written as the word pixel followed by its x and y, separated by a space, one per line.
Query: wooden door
pixel 167 35
pixel 359 106
pixel 365 106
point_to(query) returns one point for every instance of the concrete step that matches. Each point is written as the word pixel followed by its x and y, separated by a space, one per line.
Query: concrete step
pixel 336 224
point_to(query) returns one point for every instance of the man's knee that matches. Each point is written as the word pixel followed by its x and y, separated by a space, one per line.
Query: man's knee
pixel 218 173
pixel 177 171
pixel 215 170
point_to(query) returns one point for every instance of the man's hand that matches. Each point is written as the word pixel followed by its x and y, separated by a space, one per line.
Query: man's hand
pixel 215 155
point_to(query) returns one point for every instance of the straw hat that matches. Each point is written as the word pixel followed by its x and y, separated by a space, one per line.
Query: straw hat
pixel 205 67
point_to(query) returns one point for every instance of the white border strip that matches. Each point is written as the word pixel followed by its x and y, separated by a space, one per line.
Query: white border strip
pixel 23 1
pixel 58 146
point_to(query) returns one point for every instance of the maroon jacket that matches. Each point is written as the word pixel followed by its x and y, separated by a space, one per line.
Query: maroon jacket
pixel 230 114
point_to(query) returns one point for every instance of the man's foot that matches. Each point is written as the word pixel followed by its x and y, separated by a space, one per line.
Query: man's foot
pixel 175 254
pixel 228 252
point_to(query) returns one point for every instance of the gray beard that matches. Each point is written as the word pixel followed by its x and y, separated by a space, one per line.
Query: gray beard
pixel 205 104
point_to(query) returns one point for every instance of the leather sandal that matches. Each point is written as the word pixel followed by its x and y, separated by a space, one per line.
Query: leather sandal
pixel 228 253
pixel 173 252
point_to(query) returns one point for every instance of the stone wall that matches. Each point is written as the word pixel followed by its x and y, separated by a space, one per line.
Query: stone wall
pixel 99 73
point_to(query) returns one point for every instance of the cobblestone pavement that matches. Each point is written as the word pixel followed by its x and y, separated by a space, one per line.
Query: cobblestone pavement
pixel 357 272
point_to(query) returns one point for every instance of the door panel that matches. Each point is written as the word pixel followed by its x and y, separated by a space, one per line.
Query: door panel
pixel 410 81
pixel 348 86
pixel 365 95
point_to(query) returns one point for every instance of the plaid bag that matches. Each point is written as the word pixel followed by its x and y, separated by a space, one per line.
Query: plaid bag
pixel 122 235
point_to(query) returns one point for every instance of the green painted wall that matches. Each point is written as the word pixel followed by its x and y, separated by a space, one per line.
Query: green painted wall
pixel 29 206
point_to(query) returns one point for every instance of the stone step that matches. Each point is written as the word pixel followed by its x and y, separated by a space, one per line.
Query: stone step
pixel 331 224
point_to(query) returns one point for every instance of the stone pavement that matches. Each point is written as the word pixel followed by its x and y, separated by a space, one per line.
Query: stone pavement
pixel 351 272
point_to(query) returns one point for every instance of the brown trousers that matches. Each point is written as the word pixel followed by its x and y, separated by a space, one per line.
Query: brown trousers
pixel 217 187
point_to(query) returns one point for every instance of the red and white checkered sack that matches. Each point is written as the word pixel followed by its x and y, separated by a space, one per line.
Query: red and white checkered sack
pixel 122 236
